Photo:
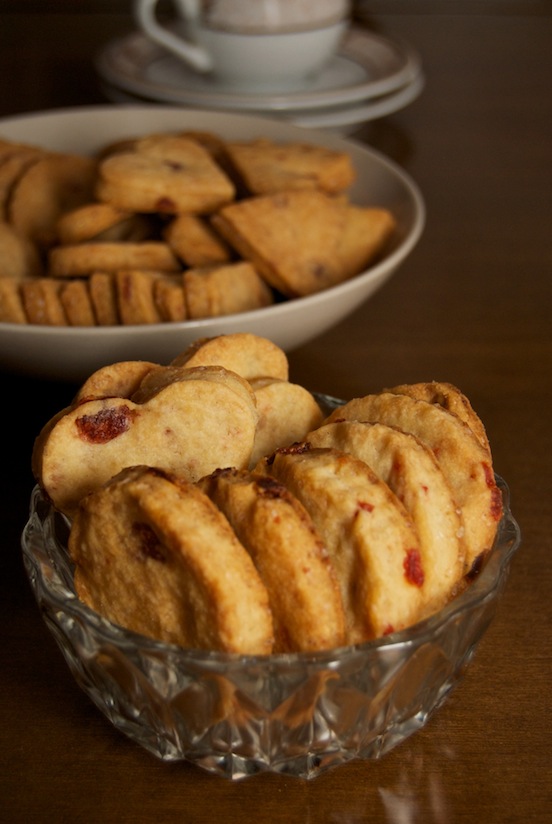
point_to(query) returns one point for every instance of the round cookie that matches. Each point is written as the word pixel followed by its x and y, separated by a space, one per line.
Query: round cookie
pixel 115 380
pixel 465 463
pixel 41 301
pixel 410 469
pixel 289 555
pixel 287 411
pixel 249 355
pixel 19 256
pixel 11 304
pixel 450 398
pixel 77 305
pixel 88 221
pixel 153 554
pixel 12 166
pixel 370 537
pixel 83 259
pixel 54 184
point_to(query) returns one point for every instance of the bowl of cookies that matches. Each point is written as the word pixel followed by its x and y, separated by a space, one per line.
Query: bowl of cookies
pixel 130 231
pixel 250 577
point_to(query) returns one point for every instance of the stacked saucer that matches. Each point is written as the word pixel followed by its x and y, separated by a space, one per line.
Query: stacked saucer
pixel 370 77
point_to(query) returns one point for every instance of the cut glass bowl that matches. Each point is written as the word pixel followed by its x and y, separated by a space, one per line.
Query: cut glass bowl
pixel 233 715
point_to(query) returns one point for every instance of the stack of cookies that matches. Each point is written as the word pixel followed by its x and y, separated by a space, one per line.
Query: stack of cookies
pixel 171 227
pixel 214 505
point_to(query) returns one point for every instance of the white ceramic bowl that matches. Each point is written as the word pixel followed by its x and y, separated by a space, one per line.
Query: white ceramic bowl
pixel 72 353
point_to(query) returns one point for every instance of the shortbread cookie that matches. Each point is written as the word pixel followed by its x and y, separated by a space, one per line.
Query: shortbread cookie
pixel 121 145
pixel 193 584
pixel 287 412
pixel 104 298
pixel 12 166
pixel 87 222
pixel 302 242
pixel 450 398
pixel 10 147
pixel 53 185
pixel 195 242
pixel 77 305
pixel 19 256
pixel 192 425
pixel 11 304
pixel 370 537
pixel 224 290
pixel 115 380
pixel 465 463
pixel 41 301
pixel 159 377
pixel 411 471
pixel 166 174
pixel 267 167
pixel 289 555
pixel 249 355
pixel 135 300
pixel 82 259
pixel 213 143
pixel 135 229
pixel 168 296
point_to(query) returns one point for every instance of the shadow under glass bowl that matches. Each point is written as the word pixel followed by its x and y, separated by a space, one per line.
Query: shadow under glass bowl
pixel 296 714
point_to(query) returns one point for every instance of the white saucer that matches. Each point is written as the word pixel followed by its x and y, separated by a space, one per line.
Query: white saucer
pixel 342 120
pixel 367 66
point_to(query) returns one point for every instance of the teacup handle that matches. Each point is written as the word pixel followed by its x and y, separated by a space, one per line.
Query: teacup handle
pixel 196 56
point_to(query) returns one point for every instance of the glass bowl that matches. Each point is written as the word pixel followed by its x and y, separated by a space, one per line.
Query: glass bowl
pixel 296 714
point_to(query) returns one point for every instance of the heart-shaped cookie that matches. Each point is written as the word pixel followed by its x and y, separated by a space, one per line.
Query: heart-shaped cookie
pixel 191 424
pixel 164 173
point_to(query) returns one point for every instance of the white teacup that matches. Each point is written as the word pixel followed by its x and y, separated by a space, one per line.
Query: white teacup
pixel 269 45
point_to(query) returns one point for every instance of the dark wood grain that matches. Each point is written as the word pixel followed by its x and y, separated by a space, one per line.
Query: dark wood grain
pixel 471 305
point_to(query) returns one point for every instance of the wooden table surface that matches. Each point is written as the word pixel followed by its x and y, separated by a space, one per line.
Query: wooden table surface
pixel 472 305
